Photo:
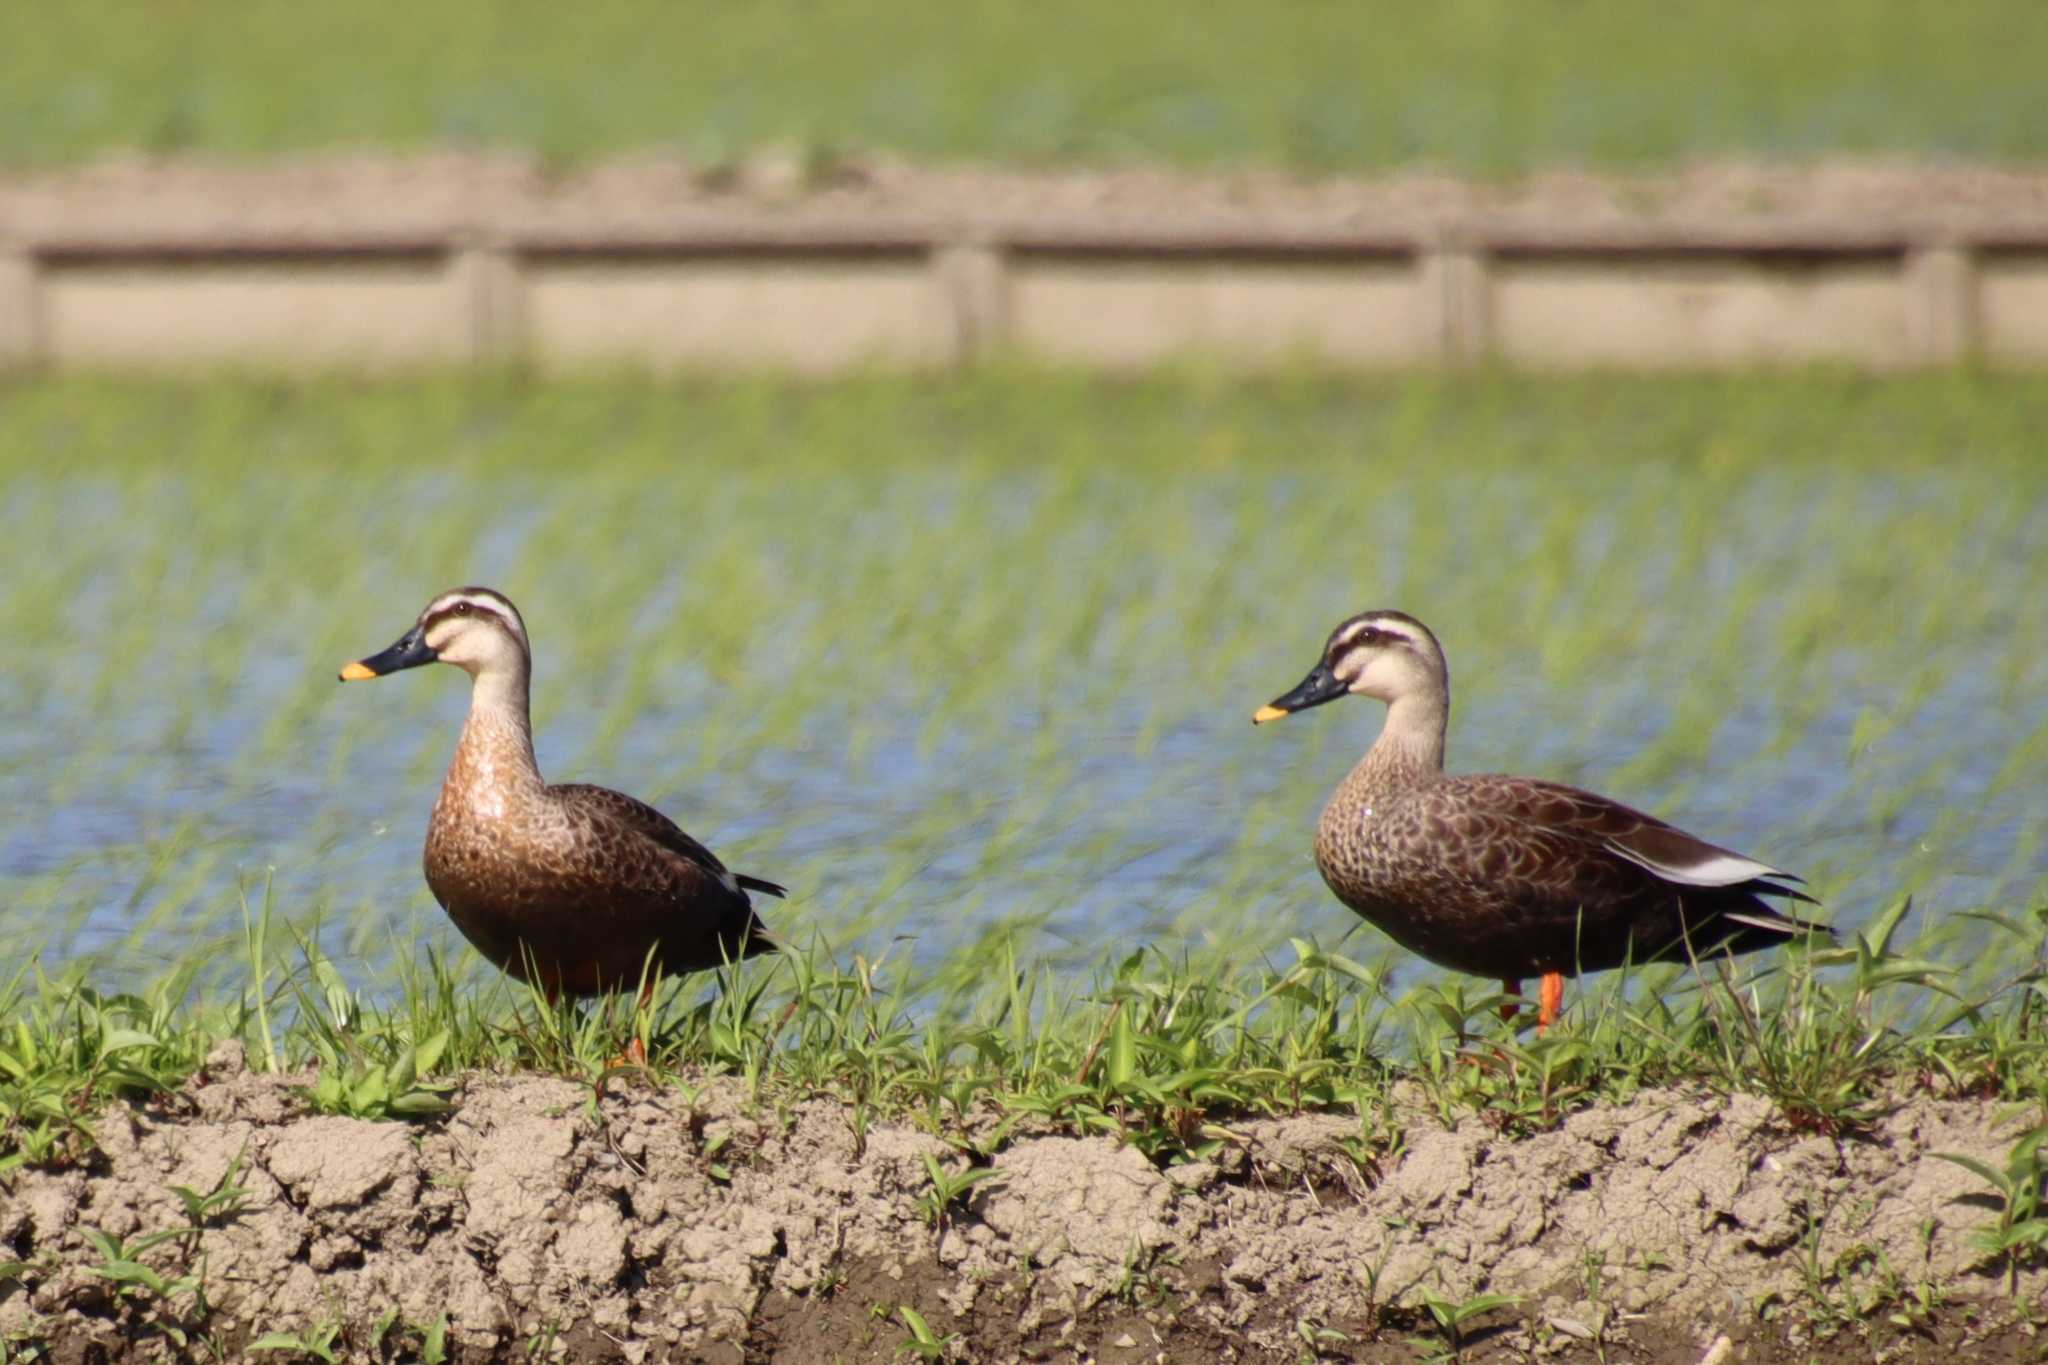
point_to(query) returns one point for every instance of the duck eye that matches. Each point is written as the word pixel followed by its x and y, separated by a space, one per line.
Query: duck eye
pixel 462 608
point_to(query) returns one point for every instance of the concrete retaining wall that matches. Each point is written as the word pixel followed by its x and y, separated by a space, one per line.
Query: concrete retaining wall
pixel 751 292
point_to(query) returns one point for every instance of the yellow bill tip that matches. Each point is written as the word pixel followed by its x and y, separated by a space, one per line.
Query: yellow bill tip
pixel 355 672
pixel 1266 713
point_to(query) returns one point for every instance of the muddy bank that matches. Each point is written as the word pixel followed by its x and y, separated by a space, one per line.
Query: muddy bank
pixel 659 1225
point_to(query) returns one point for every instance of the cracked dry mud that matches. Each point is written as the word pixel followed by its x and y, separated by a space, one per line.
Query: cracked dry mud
pixel 654 1225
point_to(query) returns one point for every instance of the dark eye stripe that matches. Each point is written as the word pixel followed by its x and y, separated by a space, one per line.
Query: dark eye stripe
pixel 1368 635
pixel 472 610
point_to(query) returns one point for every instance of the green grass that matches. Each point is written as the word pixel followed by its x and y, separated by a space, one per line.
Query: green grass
pixel 1148 1049
pixel 1479 85
pixel 968 662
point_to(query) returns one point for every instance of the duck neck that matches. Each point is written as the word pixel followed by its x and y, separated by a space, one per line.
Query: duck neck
pixel 1410 748
pixel 496 751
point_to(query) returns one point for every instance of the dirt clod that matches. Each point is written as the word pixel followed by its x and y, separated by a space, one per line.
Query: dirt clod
pixel 655 1225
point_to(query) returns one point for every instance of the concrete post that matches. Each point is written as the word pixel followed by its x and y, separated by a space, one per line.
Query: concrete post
pixel 1456 308
pixel 1940 280
pixel 20 344
pixel 487 288
pixel 975 288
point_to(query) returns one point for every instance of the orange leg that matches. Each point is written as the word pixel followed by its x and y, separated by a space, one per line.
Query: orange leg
pixel 1551 1000
pixel 1508 1008
pixel 636 1050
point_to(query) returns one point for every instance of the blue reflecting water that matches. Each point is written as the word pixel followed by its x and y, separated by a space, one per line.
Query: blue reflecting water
pixel 935 699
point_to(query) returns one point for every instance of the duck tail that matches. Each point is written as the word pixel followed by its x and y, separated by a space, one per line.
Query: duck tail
pixel 1763 925
pixel 766 888
pixel 758 939
pixel 1769 886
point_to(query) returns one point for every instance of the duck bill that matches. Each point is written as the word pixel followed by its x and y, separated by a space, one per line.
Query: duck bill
pixel 1320 686
pixel 410 652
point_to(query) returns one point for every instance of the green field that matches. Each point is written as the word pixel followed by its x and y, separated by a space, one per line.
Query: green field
pixel 968 663
pixel 1490 86
pixel 954 655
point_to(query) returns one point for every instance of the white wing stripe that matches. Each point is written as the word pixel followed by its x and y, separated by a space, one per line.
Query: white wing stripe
pixel 1717 869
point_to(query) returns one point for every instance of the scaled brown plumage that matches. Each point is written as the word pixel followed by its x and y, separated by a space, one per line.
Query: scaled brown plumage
pixel 1510 876
pixel 581 888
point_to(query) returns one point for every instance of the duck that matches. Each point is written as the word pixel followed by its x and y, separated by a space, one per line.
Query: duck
pixel 1508 877
pixel 575 888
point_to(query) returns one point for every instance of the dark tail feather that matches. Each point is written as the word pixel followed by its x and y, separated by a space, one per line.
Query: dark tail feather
pixel 760 940
pixel 764 887
pixel 1764 886
pixel 1763 926
pixel 746 936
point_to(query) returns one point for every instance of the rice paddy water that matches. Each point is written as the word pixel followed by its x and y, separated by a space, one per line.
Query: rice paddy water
pixel 966 657
pixel 1492 86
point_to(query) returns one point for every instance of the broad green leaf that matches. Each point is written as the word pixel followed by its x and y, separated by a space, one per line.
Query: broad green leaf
pixel 120 1039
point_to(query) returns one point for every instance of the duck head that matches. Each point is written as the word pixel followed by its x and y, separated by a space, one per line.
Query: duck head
pixel 476 629
pixel 1386 655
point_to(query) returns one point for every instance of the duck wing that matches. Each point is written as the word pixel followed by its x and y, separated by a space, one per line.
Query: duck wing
pixel 1665 851
pixel 1597 851
pixel 645 820
pixel 1508 875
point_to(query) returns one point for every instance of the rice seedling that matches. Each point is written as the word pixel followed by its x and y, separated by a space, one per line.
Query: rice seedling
pixel 1683 592
pixel 966 662
pixel 1483 85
